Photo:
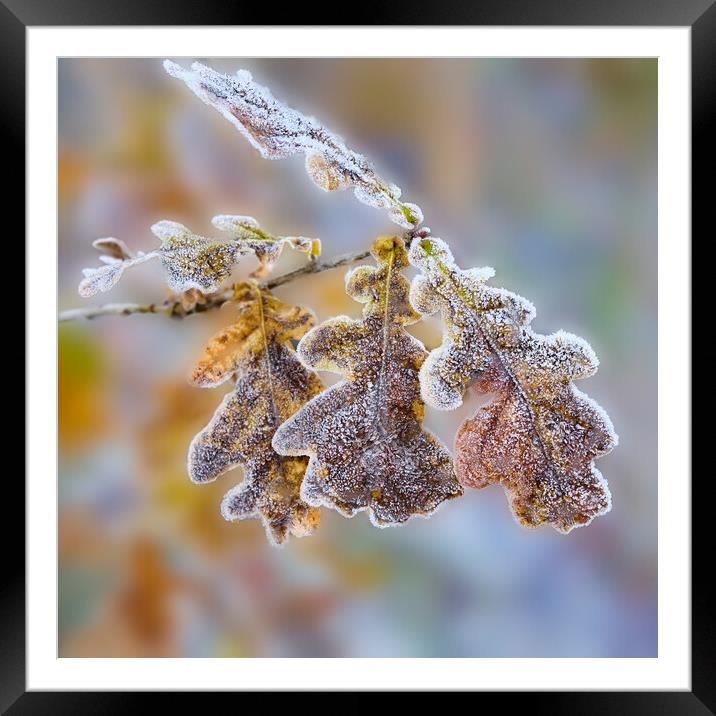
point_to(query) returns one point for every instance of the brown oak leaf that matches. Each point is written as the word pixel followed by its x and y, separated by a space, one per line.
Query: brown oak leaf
pixel 540 435
pixel 271 384
pixel 278 131
pixel 364 435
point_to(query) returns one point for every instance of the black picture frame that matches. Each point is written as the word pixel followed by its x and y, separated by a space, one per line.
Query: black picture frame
pixel 699 15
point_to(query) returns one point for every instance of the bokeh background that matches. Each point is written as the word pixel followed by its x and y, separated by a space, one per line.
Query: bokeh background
pixel 544 169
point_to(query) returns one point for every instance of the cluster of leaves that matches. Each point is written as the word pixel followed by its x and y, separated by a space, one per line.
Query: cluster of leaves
pixel 359 445
pixel 193 262
pixel 367 449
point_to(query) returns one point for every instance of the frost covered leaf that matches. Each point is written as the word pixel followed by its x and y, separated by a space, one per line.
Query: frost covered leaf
pixel 364 435
pixel 99 280
pixel 278 131
pixel 271 384
pixel 268 248
pixel 540 435
pixel 193 262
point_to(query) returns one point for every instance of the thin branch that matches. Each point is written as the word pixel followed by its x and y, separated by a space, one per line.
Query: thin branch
pixel 173 307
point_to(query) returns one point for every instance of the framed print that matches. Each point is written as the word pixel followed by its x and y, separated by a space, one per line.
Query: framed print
pixel 370 353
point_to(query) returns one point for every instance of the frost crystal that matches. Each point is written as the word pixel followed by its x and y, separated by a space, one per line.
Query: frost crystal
pixel 540 435
pixel 364 435
pixel 278 131
pixel 270 385
pixel 193 262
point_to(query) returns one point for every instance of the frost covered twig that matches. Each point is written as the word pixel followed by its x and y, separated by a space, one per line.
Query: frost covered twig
pixel 174 307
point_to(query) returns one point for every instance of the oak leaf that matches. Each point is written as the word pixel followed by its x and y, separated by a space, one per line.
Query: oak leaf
pixel 540 435
pixel 271 384
pixel 364 435
pixel 278 131
pixel 192 261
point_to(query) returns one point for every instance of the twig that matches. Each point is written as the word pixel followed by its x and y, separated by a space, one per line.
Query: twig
pixel 173 307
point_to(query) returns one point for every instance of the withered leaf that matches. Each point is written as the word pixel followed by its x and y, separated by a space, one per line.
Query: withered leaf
pixel 278 131
pixel 193 262
pixel 112 249
pixel 271 384
pixel 540 435
pixel 364 436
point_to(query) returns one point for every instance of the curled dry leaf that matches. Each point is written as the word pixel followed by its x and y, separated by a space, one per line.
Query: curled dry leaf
pixel 364 435
pixel 271 384
pixel 193 262
pixel 112 249
pixel 278 131
pixel 540 435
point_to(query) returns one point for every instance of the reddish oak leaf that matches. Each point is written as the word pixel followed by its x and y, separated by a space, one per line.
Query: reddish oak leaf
pixel 364 436
pixel 540 435
pixel 271 384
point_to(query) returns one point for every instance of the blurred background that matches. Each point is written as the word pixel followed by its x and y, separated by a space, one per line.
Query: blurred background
pixel 544 169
